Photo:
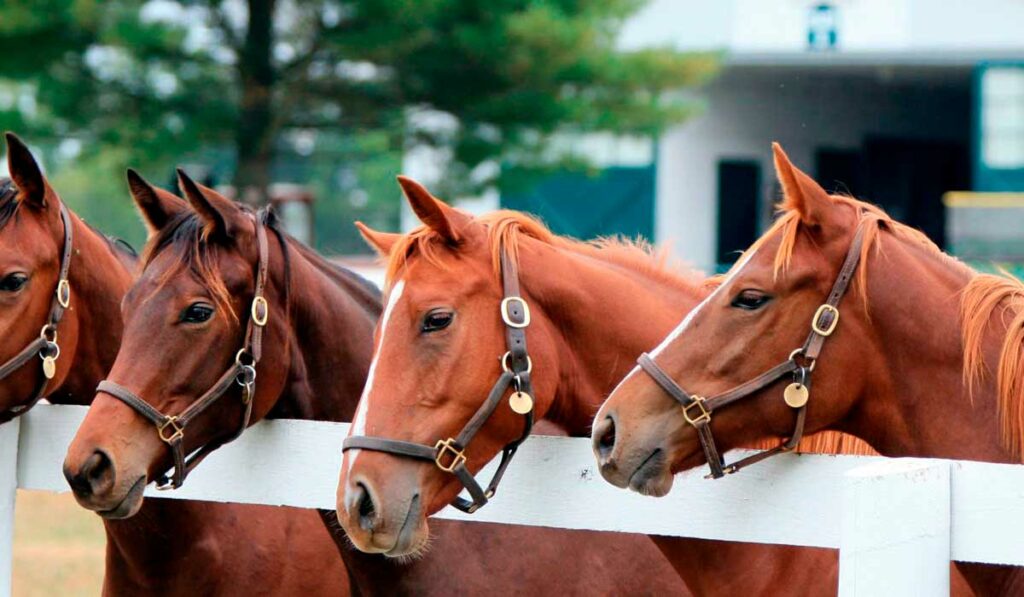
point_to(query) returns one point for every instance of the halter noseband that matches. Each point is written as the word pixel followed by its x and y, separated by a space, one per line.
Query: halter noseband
pixel 45 346
pixel 449 454
pixel 171 428
pixel 697 410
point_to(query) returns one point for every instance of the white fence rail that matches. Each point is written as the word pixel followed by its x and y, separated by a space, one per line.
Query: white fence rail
pixel 897 522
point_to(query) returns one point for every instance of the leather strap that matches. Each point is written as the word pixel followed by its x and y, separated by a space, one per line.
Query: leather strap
pixel 45 346
pixel 449 454
pixel 171 428
pixel 698 410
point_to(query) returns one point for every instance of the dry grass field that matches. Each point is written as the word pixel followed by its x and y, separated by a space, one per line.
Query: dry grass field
pixel 58 547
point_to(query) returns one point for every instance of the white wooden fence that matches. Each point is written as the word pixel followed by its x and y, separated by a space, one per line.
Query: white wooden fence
pixel 896 522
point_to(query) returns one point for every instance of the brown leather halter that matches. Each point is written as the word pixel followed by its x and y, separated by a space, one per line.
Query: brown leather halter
pixel 697 409
pixel 45 346
pixel 171 428
pixel 449 454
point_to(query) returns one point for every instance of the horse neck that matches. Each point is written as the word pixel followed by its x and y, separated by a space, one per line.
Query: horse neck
pixel 917 403
pixel 332 314
pixel 602 316
pixel 99 279
pixel 917 327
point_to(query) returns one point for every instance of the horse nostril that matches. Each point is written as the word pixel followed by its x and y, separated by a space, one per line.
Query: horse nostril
pixel 605 437
pixel 365 507
pixel 95 477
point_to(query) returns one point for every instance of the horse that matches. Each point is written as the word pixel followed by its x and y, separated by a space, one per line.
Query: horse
pixel 913 319
pixel 212 293
pixel 152 553
pixel 452 301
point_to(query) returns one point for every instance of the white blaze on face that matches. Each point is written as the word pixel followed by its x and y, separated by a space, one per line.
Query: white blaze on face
pixel 359 424
pixel 689 316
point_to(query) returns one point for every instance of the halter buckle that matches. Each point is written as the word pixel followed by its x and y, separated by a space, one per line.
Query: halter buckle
pixel 178 431
pixel 260 311
pixel 822 310
pixel 506 316
pixel 448 447
pixel 703 417
pixel 64 293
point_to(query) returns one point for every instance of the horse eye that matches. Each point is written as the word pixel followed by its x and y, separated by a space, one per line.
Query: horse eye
pixel 197 313
pixel 13 282
pixel 436 321
pixel 751 300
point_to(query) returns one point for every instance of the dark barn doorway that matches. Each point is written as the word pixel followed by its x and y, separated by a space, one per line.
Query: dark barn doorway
pixel 906 177
pixel 739 186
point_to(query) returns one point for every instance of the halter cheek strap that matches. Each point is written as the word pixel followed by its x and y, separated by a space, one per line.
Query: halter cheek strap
pixel 697 410
pixel 449 454
pixel 171 428
pixel 45 346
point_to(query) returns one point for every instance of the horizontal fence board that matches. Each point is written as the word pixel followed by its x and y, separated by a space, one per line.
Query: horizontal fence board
pixel 790 499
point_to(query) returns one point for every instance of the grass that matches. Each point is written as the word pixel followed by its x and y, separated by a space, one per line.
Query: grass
pixel 58 547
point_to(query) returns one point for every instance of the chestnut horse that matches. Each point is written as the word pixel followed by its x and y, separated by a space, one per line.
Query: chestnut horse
pixel 153 553
pixel 186 317
pixel 592 309
pixel 905 368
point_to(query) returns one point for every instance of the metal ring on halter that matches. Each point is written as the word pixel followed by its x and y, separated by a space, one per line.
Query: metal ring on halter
pixel 800 351
pixel 244 359
pixel 51 350
pixel 505 367
pixel 246 375
pixel 49 333
pixel 802 373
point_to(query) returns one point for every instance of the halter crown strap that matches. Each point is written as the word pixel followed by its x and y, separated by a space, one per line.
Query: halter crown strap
pixel 45 346
pixel 171 428
pixel 449 454
pixel 697 410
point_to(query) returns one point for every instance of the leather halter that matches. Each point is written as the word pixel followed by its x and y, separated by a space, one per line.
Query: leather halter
pixel 45 346
pixel 171 428
pixel 449 454
pixel 698 410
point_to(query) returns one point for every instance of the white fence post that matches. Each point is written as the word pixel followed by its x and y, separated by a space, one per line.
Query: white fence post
pixel 8 489
pixel 896 529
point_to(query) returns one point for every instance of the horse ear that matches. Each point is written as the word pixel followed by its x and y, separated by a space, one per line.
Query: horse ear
pixel 382 242
pixel 436 214
pixel 802 192
pixel 156 206
pixel 25 172
pixel 222 216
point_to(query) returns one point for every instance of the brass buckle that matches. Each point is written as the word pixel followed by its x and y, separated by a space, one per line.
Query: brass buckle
pixel 260 311
pixel 826 332
pixel 171 422
pixel 703 417
pixel 507 317
pixel 64 293
pixel 448 446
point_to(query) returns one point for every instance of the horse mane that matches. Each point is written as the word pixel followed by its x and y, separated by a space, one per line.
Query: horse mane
pixel 984 296
pixel 506 229
pixel 823 442
pixel 189 236
pixel 873 218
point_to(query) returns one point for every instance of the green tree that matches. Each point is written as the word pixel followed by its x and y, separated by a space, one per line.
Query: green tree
pixel 157 80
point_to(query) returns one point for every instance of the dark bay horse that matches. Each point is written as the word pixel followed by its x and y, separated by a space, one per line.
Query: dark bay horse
pixel 155 552
pixel 186 318
pixel 592 309
pixel 925 360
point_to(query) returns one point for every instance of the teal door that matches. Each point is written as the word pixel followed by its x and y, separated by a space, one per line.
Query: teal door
pixel 619 200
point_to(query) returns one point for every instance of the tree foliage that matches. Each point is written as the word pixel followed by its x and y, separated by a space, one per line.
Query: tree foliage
pixel 265 81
